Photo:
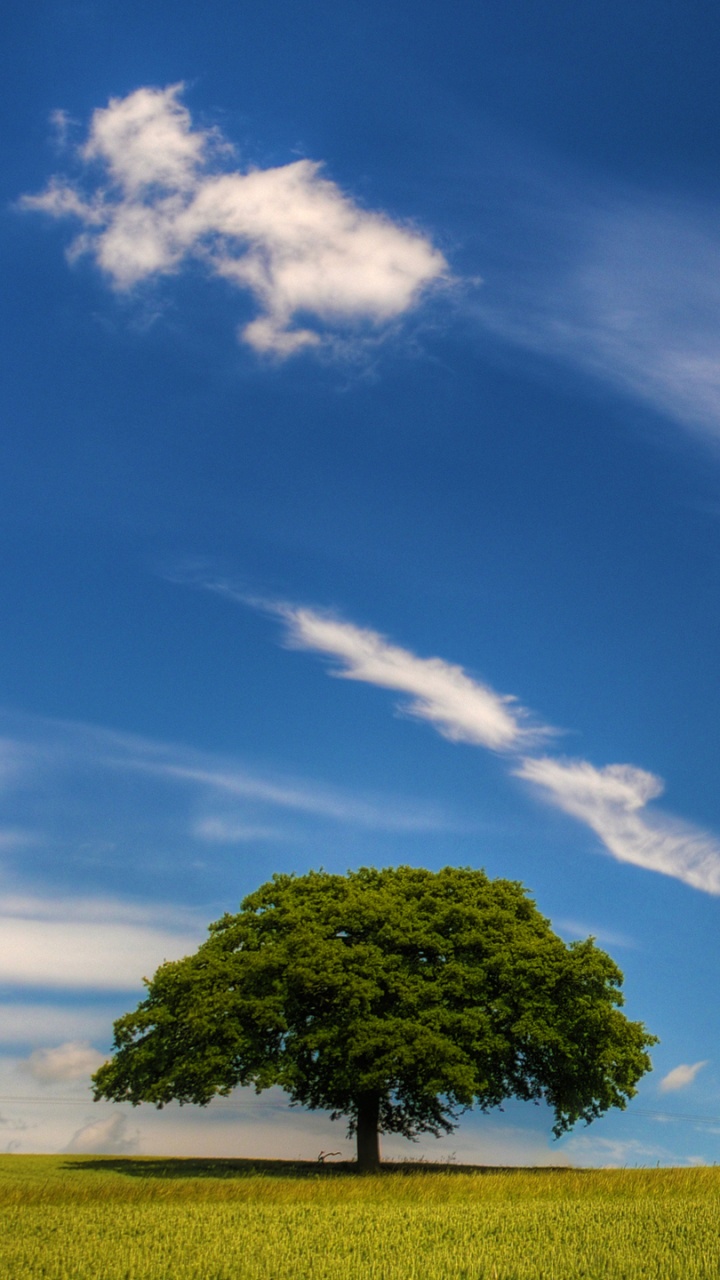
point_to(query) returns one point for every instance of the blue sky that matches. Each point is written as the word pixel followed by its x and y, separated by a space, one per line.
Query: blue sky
pixel 359 490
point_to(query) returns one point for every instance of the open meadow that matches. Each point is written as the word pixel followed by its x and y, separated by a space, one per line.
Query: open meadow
pixel 112 1218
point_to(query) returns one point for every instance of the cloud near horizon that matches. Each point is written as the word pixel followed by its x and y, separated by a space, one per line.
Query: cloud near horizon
pixel 87 944
pixel 73 1060
pixel 158 195
pixel 103 1137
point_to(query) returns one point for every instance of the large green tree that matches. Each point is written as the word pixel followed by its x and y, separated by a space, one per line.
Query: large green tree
pixel 394 997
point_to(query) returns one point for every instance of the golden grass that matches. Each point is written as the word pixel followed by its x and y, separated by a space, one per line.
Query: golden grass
pixel 81 1218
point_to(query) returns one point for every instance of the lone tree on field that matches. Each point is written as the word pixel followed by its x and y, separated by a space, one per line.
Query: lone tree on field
pixel 394 998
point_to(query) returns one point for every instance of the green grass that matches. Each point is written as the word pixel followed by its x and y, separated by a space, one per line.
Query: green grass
pixel 105 1218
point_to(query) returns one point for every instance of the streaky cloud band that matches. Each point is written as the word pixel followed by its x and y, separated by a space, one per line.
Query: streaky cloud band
pixel 610 800
pixel 458 706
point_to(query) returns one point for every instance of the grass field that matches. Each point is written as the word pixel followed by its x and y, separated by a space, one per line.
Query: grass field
pixel 107 1218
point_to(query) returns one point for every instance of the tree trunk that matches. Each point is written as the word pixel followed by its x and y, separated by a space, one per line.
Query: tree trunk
pixel 368 1141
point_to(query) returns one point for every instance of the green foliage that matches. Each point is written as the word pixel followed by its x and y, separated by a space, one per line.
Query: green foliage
pixel 78 1219
pixel 431 991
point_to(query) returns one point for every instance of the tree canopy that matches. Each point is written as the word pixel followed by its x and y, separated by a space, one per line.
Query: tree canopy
pixel 394 997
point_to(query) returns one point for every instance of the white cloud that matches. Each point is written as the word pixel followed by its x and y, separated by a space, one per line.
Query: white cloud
pixel 56 944
pixel 288 235
pixel 103 1137
pixel 147 140
pixel 682 1076
pixel 611 800
pixel 459 707
pixel 74 1060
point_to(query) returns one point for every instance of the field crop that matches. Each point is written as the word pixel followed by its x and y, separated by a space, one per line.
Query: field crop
pixel 106 1218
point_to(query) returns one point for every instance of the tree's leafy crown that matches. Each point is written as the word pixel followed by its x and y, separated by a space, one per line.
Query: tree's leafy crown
pixel 433 990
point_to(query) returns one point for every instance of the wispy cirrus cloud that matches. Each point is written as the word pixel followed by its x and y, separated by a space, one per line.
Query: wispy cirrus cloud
pixel 458 706
pixel 611 800
pixel 296 795
pixel 608 937
pixel 105 803
pixel 221 830
pixel 623 284
pixel 156 191
pixel 223 777
pixel 14 762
